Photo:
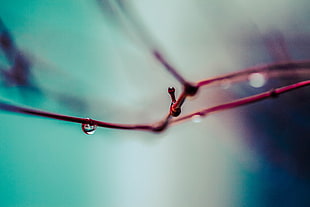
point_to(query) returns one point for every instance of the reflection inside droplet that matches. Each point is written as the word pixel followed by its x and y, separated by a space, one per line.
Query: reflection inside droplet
pixel 257 80
pixel 196 119
pixel 89 129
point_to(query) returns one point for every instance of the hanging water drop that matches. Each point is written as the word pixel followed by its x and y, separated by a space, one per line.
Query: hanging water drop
pixel 89 128
pixel 196 118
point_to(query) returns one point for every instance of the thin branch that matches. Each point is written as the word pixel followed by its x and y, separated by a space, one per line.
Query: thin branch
pixel 163 124
pixel 160 58
pixel 127 19
pixel 244 101
pixel 23 110
pixel 271 70
pixel 189 89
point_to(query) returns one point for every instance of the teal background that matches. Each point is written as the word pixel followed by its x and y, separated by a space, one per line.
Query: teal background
pixel 88 64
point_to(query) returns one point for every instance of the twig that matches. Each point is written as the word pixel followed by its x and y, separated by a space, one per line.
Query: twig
pixel 163 124
pixel 127 19
pixel 271 70
pixel 159 57
pixel 190 89
pixel 244 101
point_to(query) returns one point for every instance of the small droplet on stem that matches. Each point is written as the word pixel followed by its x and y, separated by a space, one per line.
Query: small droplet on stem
pixel 196 118
pixel 89 128
pixel 257 80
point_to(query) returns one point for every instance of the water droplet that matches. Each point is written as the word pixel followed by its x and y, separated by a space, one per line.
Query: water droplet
pixel 89 128
pixel 196 119
pixel 257 80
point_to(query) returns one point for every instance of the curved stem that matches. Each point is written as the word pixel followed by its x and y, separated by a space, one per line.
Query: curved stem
pixel 244 101
pixel 272 70
pixel 166 122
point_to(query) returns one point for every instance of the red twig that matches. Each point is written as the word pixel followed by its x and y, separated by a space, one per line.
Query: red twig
pixel 169 67
pixel 127 19
pixel 163 124
pixel 189 89
pixel 244 101
pixel 271 70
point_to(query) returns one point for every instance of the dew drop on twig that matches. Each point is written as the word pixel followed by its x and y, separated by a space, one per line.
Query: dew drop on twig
pixel 89 128
pixel 196 119
pixel 257 80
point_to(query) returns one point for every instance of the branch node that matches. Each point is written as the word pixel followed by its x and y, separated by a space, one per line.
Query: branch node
pixel 160 127
pixel 190 89
pixel 175 111
pixel 273 93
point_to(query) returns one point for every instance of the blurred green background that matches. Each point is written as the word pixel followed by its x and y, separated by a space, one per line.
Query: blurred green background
pixel 85 62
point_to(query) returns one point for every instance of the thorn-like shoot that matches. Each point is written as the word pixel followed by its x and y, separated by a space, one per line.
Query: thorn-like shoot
pixel 171 91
